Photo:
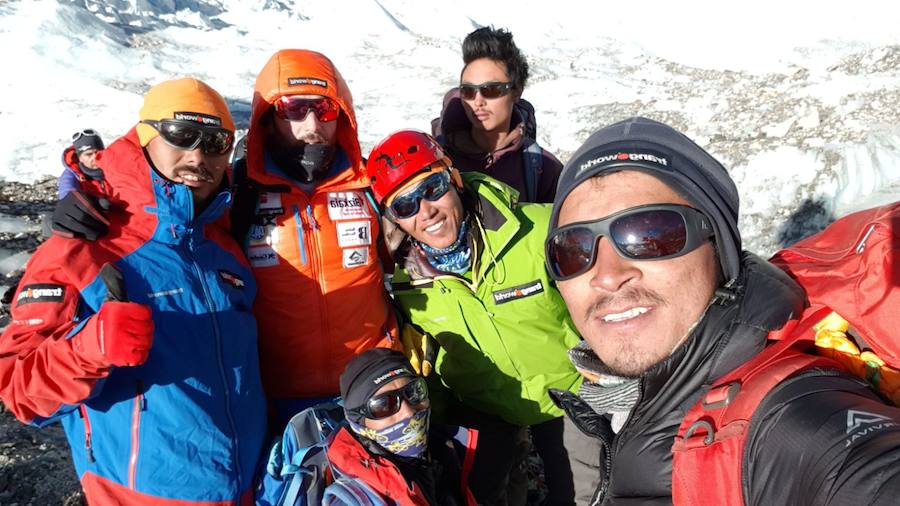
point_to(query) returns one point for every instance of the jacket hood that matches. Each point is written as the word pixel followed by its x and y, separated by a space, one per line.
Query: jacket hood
pixel 302 72
pixel 152 203
pixel 455 129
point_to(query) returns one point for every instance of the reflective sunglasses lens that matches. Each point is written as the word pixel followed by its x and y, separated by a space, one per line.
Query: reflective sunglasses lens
pixel 650 234
pixel 405 206
pixel 468 91
pixel 384 405
pixel 434 187
pixel 495 90
pixel 180 136
pixel 296 109
pixel 217 142
pixel 416 392
pixel 570 251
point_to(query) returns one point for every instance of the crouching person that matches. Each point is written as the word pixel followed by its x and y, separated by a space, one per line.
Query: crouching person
pixel 389 454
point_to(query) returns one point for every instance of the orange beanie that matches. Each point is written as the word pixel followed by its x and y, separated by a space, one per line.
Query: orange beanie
pixel 183 99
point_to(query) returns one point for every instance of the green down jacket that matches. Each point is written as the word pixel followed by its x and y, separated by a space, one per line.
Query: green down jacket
pixel 503 327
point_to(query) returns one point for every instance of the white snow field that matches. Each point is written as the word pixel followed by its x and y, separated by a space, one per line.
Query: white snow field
pixel 799 99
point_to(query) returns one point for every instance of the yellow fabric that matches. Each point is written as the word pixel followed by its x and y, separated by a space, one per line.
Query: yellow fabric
pixel 181 95
pixel 419 349
pixel 833 341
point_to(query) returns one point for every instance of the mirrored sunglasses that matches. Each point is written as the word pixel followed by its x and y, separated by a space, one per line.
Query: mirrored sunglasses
pixel 653 232
pixel 388 403
pixel 431 188
pixel 295 109
pixel 493 89
pixel 186 135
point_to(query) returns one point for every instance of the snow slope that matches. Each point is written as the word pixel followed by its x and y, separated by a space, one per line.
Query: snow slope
pixel 799 99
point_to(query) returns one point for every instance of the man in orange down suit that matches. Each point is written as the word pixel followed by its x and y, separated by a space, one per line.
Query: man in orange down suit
pixel 311 232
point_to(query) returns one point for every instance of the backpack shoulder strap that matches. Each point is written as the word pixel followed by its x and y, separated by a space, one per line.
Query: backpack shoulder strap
pixel 708 450
pixel 534 160
pixel 309 470
pixel 243 204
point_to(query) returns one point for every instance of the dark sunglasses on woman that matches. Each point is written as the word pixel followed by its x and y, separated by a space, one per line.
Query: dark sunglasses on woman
pixel 294 108
pixel 388 403
pixel 493 89
pixel 187 135
pixel 431 188
pixel 652 232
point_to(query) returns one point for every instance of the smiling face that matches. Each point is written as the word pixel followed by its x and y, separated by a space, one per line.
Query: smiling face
pixel 634 313
pixel 437 222
pixel 488 114
pixel 201 173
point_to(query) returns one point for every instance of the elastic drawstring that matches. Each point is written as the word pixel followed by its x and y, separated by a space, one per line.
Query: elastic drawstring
pixel 487 247
pixel 312 219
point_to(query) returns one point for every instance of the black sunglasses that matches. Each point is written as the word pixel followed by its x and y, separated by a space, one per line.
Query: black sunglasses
pixel 187 135
pixel 493 89
pixel 652 232
pixel 431 188
pixel 388 403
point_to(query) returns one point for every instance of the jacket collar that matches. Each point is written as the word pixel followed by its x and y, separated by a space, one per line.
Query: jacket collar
pixel 144 194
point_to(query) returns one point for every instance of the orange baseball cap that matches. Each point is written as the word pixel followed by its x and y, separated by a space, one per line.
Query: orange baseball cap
pixel 184 99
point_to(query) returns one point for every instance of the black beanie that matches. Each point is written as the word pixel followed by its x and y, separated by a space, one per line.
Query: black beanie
pixel 86 141
pixel 659 150
pixel 368 371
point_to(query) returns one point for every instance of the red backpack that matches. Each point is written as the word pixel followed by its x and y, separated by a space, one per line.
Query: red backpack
pixel 852 268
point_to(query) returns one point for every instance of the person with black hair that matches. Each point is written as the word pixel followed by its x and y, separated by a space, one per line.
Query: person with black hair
pixel 80 161
pixel 486 126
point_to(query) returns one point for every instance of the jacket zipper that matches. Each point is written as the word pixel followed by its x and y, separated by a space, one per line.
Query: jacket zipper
pixel 298 223
pixel 224 377
pixel 314 254
pixel 614 448
pixel 88 448
pixel 135 434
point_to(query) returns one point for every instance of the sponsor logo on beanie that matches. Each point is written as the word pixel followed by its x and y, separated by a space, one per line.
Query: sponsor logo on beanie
pixel 391 374
pixel 203 119
pixel 300 81
pixel 620 157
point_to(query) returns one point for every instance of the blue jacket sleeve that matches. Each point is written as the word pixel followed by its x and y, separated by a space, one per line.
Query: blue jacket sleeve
pixel 68 182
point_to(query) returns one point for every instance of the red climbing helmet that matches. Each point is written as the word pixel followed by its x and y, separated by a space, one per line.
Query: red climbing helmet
pixel 399 156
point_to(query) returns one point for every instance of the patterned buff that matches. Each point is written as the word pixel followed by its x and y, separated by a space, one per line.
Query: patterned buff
pixel 605 393
pixel 407 438
pixel 455 258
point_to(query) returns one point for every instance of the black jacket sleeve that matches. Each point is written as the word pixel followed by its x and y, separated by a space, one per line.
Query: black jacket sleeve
pixel 823 438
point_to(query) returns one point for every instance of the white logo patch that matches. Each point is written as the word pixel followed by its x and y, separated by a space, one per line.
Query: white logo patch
pixel 354 233
pixel 354 257
pixel 861 424
pixel 270 200
pixel 262 256
pixel 347 205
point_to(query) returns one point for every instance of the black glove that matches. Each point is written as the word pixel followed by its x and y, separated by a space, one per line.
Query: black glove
pixel 80 215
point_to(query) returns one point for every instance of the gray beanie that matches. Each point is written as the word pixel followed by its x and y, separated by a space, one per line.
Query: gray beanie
pixel 659 150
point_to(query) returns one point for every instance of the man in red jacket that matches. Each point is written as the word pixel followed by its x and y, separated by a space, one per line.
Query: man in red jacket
pixel 142 342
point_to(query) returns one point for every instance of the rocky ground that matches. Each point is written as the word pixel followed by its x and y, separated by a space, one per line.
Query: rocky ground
pixel 35 466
